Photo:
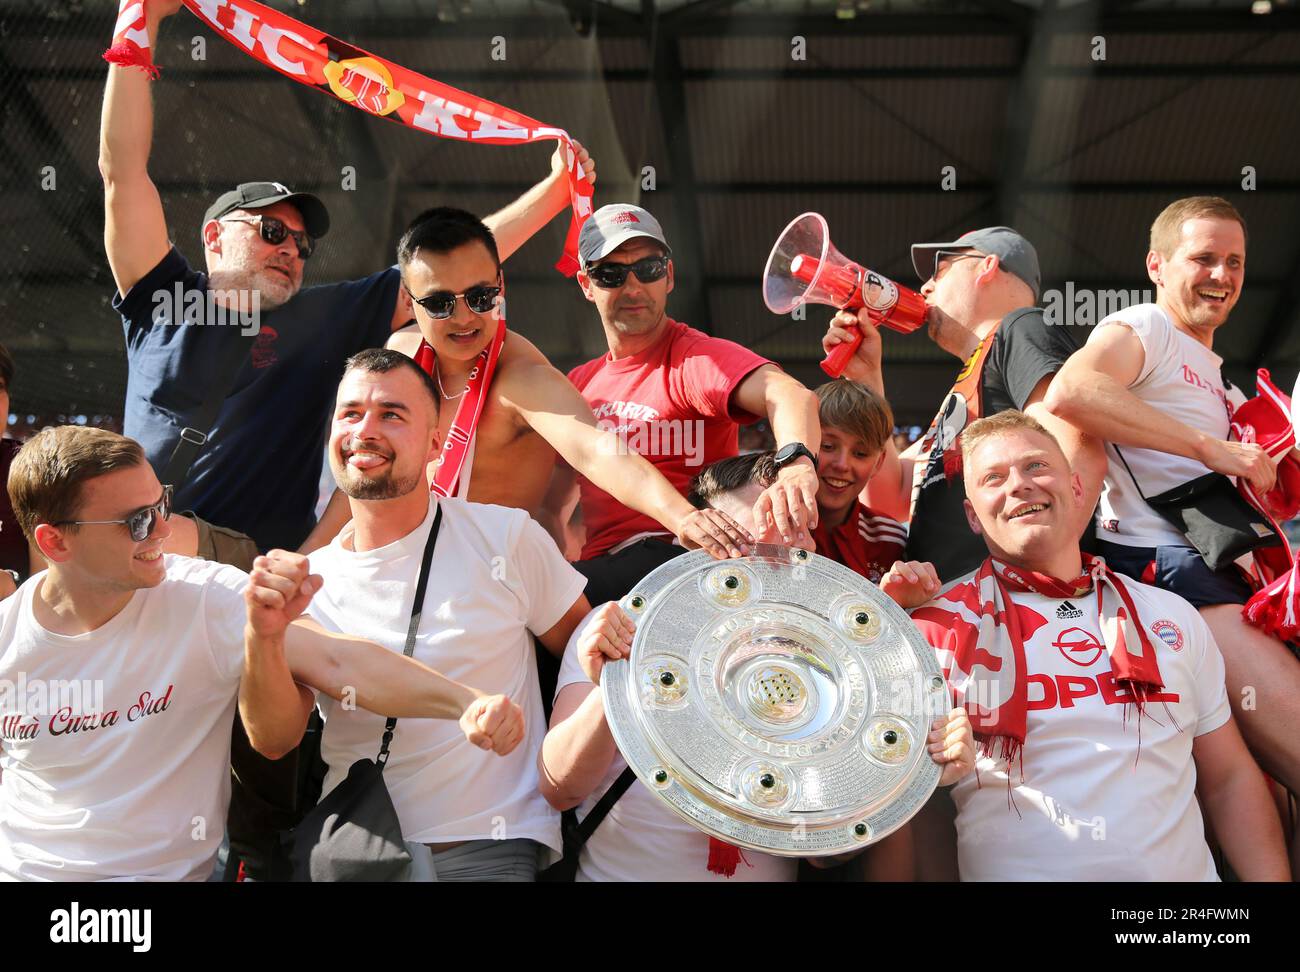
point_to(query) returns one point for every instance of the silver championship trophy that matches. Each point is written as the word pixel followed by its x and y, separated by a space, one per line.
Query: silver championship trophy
pixel 778 702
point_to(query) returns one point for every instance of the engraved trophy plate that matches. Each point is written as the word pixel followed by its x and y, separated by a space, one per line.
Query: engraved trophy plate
pixel 779 702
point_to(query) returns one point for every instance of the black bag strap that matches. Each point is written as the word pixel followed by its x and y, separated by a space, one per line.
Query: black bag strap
pixel 195 435
pixel 602 808
pixel 417 609
pixel 1136 484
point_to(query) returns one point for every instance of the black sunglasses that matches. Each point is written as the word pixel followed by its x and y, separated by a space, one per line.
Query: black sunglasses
pixel 607 276
pixel 952 256
pixel 141 523
pixel 442 303
pixel 274 232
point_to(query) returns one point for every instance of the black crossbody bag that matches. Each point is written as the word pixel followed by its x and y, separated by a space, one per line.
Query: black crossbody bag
pixel 354 834
pixel 1213 515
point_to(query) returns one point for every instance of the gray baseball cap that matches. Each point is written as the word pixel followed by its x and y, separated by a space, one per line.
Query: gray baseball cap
pixel 252 195
pixel 610 227
pixel 1015 253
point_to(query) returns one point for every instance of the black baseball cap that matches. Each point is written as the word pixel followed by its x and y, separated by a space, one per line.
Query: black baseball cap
pixel 252 195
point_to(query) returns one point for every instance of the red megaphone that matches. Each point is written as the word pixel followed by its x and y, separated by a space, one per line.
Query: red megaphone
pixel 805 268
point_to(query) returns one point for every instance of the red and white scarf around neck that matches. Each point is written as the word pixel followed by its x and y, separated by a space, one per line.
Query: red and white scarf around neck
pixel 363 80
pixel 459 442
pixel 994 653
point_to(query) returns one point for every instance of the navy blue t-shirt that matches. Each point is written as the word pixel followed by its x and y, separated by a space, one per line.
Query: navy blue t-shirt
pixel 260 469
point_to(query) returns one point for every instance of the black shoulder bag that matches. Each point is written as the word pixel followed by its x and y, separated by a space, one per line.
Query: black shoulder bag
pixel 1213 515
pixel 354 834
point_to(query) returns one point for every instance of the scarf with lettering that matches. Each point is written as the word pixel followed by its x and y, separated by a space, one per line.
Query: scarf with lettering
pixel 460 437
pixel 994 652
pixel 360 79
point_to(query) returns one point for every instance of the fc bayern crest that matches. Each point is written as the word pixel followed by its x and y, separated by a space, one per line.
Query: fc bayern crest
pixel 1169 633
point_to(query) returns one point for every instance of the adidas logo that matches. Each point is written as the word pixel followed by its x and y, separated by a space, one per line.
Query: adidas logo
pixel 1068 610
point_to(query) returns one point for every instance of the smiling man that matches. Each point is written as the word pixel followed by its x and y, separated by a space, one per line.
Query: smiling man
pixel 273 374
pixel 1099 701
pixel 495 581
pixel 1149 383
pixel 116 756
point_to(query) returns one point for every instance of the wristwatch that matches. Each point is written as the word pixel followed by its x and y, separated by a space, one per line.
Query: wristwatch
pixel 789 453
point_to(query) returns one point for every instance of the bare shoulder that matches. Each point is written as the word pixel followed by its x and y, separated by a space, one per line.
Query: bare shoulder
pixel 407 340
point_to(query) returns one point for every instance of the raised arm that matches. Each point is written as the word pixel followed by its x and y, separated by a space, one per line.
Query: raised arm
pixel 558 413
pixel 579 747
pixel 282 650
pixel 791 411
pixel 1091 392
pixel 889 490
pixel 1232 790
pixel 516 223
pixel 135 230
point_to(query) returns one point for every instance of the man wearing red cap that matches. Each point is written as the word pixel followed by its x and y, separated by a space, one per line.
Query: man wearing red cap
pixel 1099 701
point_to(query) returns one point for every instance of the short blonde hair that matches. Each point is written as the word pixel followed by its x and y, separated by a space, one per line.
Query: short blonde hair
pixel 47 475
pixel 856 409
pixel 1002 423
pixel 1167 230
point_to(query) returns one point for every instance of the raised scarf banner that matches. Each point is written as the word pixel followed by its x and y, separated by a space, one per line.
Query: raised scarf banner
pixel 363 80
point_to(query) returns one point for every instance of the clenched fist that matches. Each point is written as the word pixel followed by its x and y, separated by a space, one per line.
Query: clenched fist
pixel 279 589
pixel 494 723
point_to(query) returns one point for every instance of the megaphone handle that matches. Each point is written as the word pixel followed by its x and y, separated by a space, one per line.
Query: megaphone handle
pixel 835 362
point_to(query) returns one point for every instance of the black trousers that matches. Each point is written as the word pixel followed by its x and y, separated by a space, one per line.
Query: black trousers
pixel 611 576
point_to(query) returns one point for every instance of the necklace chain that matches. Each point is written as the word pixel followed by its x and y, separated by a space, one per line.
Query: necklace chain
pixel 438 378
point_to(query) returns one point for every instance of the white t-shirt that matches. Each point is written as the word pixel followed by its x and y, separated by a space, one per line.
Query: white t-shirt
pixel 142 791
pixel 1096 803
pixel 496 576
pixel 1180 377
pixel 640 839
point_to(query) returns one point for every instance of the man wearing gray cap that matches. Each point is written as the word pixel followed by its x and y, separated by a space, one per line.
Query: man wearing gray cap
pixel 247 402
pixel 981 289
pixel 677 397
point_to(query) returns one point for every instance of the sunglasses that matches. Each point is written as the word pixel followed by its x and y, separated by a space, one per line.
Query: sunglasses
pixel 442 303
pixel 951 256
pixel 274 232
pixel 141 523
pixel 608 276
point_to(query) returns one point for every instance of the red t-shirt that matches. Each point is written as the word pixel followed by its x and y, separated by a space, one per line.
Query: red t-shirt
pixel 670 403
pixel 868 542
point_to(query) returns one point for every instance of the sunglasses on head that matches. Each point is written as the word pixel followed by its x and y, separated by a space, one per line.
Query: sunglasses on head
pixel 607 276
pixel 442 303
pixel 141 523
pixel 274 232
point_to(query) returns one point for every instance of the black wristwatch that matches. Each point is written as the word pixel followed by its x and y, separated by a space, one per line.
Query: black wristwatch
pixel 788 454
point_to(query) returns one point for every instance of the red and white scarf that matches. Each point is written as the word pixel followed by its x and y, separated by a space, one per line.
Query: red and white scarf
pixel 361 79
pixel 989 664
pixel 1266 421
pixel 459 442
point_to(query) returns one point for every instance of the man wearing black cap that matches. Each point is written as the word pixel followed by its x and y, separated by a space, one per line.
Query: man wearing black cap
pixel 981 289
pixel 252 398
